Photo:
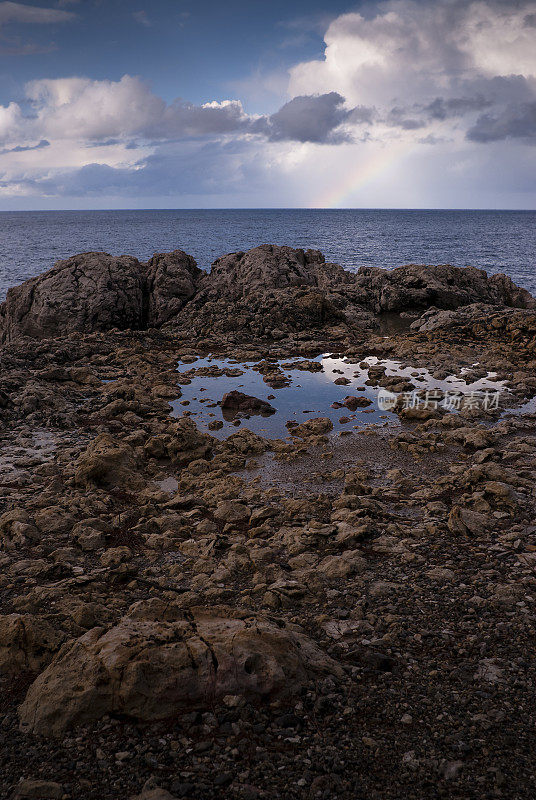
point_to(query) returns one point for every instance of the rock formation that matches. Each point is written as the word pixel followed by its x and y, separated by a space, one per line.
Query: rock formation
pixel 171 280
pixel 150 670
pixel 235 402
pixel 269 291
pixel 97 292
pixel 417 286
pixel 88 292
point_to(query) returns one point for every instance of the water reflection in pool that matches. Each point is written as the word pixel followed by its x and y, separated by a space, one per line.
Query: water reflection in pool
pixel 308 393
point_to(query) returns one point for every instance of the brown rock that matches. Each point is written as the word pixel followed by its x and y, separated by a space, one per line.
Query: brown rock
pixel 106 462
pixel 150 670
pixel 235 402
pixel 29 789
pixel 313 427
pixel 27 643
pixel 352 402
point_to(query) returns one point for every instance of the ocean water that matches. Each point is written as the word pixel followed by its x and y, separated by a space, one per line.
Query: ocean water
pixel 497 241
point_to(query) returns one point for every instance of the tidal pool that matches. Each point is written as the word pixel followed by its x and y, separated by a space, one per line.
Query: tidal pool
pixel 308 394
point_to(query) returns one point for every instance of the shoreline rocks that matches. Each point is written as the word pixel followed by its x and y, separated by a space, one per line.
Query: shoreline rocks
pixel 272 291
pixel 314 616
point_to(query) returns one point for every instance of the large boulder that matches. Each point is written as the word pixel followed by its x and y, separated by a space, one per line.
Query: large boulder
pixel 417 286
pixel 271 288
pixel 85 293
pixel 96 292
pixel 171 280
pixel 148 669
pixel 271 267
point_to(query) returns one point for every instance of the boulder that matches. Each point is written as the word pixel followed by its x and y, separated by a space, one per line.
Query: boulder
pixel 171 280
pixel 353 402
pixel 85 293
pixel 418 286
pixel 237 402
pixel 317 426
pixel 148 670
pixel 188 443
pixel 272 290
pixel 106 462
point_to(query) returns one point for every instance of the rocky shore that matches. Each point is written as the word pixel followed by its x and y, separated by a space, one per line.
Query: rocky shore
pixel 314 616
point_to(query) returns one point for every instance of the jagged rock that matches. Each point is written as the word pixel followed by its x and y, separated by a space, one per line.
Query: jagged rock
pixel 171 280
pixel 106 462
pixel 272 290
pixel 312 427
pixel 84 293
pixel 187 443
pixel 235 402
pixel 417 286
pixel 149 670
pixel 26 643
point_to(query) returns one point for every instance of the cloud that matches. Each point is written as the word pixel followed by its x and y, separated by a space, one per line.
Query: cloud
pixel 85 110
pixel 142 18
pixel 514 122
pixel 11 13
pixel 423 64
pixel 312 118
pixel 442 109
pixel 25 148
pixel 21 14
pixel 409 93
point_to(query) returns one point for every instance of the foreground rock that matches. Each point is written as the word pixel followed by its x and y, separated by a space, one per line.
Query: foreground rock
pixel 151 670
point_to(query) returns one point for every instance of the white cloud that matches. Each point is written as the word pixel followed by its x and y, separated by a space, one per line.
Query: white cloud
pixel 412 104
pixel 409 53
pixel 79 108
pixel 142 18
pixel 34 15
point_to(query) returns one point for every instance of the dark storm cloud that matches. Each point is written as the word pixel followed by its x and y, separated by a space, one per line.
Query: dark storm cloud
pixel 443 108
pixel 24 148
pixel 307 118
pixel 399 118
pixel 514 122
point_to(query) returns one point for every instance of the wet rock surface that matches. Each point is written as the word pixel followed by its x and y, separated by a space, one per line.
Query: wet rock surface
pixel 313 616
pixel 238 401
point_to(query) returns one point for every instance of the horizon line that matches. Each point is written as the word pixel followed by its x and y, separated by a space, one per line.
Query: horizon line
pixel 256 208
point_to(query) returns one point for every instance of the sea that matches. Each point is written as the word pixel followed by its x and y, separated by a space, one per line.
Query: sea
pixel 497 241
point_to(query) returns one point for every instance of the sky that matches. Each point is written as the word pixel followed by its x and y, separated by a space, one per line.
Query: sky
pixel 317 104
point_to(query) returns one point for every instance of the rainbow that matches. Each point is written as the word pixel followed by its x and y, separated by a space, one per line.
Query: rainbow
pixel 359 177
